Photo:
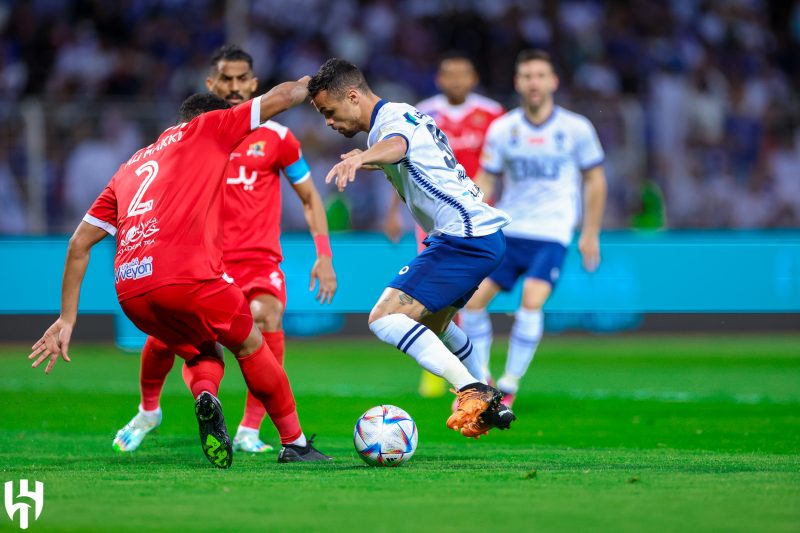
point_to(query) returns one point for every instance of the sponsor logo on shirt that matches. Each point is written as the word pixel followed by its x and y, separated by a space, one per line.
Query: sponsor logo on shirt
pixel 138 236
pixel 134 269
pixel 242 178
pixel 257 149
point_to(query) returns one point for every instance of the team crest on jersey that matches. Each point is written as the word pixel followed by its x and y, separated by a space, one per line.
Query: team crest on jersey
pixel 257 149
pixel 479 119
pixel 559 137
pixel 514 140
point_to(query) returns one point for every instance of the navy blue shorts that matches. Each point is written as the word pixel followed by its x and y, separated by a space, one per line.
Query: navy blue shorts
pixel 529 258
pixel 447 273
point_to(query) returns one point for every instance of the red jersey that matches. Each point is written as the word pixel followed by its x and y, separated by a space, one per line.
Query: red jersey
pixel 465 125
pixel 165 203
pixel 253 183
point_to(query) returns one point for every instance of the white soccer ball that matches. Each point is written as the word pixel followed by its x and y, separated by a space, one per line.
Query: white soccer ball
pixel 385 436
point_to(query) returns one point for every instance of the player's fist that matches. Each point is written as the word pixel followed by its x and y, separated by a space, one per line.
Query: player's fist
pixel 589 246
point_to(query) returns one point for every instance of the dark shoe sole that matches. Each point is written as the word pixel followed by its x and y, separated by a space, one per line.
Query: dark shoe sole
pixel 213 434
pixel 289 455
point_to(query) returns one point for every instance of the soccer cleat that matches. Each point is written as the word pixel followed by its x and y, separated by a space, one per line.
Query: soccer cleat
pixel 291 453
pixel 508 399
pixel 213 433
pixel 473 400
pixel 131 436
pixel 500 418
pixel 249 441
pixel 431 386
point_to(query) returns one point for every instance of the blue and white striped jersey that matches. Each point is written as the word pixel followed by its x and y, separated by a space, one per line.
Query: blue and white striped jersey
pixel 439 194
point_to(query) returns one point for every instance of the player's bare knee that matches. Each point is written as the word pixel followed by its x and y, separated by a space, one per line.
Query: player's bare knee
pixel 250 344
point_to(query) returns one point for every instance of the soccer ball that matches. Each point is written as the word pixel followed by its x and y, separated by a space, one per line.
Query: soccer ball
pixel 385 436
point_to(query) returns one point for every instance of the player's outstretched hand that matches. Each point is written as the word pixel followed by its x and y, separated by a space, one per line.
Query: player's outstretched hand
pixel 344 172
pixel 323 271
pixel 355 152
pixel 53 344
pixel 589 246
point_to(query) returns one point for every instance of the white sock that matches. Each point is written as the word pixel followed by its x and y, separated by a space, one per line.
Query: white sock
pixel 525 336
pixel 155 413
pixel 457 342
pixel 424 346
pixel 300 441
pixel 244 430
pixel 478 327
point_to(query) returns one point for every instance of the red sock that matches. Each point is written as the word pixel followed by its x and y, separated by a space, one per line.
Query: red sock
pixel 254 411
pixel 203 373
pixel 275 342
pixel 268 382
pixel 157 360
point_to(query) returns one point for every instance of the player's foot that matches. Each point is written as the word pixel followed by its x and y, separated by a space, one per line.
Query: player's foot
pixel 213 433
pixel 508 399
pixel 291 453
pixel 499 418
pixel 247 440
pixel 473 400
pixel 131 436
pixel 431 386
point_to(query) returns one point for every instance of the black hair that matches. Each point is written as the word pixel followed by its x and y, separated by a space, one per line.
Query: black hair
pixel 456 55
pixel 534 54
pixel 230 52
pixel 337 76
pixel 200 103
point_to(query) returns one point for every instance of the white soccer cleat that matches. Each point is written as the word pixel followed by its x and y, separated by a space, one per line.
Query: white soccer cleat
pixel 247 440
pixel 131 436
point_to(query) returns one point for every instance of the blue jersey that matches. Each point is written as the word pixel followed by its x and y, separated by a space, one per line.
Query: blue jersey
pixel 441 197
pixel 541 167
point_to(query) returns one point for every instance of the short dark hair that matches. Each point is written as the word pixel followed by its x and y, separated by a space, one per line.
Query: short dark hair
pixel 200 103
pixel 230 52
pixel 456 55
pixel 534 54
pixel 337 76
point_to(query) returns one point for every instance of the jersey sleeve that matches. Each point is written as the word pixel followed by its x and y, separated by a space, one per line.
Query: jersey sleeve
pixel 103 213
pixel 491 155
pixel 232 125
pixel 399 125
pixel 292 161
pixel 588 150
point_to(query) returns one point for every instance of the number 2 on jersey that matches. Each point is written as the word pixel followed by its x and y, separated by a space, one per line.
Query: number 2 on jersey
pixel 137 206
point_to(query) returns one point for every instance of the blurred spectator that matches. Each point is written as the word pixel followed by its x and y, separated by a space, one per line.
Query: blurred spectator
pixel 690 97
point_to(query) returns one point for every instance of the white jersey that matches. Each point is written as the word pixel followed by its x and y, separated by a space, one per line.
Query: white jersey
pixel 434 186
pixel 541 167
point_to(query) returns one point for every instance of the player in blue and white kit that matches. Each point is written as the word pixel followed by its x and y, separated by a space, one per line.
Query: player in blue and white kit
pixel 464 243
pixel 543 152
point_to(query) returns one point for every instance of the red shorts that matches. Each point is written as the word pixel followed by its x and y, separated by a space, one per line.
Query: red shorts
pixel 191 318
pixel 258 276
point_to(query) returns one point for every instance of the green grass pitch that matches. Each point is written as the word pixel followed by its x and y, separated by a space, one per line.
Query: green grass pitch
pixel 625 433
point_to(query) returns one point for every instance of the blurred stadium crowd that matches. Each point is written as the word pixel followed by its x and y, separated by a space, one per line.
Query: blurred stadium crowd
pixel 696 102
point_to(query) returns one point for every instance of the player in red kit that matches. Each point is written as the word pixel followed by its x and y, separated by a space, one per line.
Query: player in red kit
pixel 464 117
pixel 164 205
pixel 251 246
